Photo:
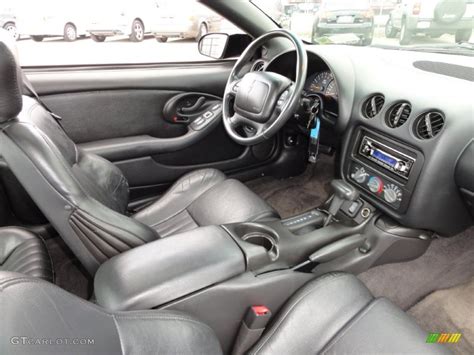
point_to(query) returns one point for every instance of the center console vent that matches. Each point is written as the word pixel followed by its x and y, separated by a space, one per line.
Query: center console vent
pixel 398 114
pixel 429 124
pixel 373 105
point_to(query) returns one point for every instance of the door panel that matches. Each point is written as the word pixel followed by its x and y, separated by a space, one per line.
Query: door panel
pixel 118 112
pixel 98 115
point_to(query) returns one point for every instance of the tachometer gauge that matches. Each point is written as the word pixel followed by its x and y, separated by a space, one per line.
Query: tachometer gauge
pixel 331 89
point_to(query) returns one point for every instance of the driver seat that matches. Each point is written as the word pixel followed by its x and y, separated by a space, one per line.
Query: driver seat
pixel 85 197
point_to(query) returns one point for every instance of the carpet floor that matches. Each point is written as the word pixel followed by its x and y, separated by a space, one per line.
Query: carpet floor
pixel 298 194
pixel 449 311
pixel 447 262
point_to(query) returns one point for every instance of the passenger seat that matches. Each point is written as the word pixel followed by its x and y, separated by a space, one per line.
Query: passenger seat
pixel 24 252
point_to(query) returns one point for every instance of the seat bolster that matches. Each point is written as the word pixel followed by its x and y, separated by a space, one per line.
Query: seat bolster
pixel 165 332
pixel 24 252
pixel 314 315
pixel 183 192
pixel 336 314
pixel 382 328
pixel 38 311
pixel 230 202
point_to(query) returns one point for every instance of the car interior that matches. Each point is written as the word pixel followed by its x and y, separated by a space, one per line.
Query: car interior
pixel 284 198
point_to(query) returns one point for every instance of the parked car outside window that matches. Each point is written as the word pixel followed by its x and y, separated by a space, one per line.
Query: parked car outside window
pixel 431 18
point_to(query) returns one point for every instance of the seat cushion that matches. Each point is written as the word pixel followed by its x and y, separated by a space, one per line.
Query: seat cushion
pixel 336 314
pixel 201 198
pixel 24 252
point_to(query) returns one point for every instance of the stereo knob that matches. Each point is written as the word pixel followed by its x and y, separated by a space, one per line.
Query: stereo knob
pixel 392 193
pixel 375 184
pixel 359 175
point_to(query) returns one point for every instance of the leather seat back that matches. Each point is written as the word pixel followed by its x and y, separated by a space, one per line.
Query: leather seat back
pixel 40 318
pixel 83 196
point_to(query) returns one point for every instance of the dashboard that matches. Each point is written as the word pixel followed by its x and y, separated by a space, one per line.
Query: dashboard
pixel 406 144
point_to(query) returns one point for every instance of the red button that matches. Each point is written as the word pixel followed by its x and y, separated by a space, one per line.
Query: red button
pixel 260 310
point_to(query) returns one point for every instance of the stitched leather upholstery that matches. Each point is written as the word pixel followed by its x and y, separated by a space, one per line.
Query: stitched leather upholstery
pixel 201 198
pixel 85 197
pixel 334 314
pixel 10 88
pixel 24 252
pixel 34 309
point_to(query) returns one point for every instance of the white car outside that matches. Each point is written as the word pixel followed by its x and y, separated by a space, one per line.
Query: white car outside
pixel 52 18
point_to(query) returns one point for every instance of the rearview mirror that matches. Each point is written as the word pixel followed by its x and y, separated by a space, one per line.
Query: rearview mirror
pixel 213 45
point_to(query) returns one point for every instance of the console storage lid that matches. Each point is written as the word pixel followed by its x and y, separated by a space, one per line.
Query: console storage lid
pixel 162 271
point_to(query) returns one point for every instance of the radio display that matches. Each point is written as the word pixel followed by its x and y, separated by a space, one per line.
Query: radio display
pixel 379 155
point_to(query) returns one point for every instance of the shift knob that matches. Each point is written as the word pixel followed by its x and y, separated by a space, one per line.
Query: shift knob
pixel 344 190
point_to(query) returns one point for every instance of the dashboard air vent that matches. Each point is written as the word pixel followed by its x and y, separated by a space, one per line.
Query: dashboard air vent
pixel 373 105
pixel 429 124
pixel 398 114
pixel 259 65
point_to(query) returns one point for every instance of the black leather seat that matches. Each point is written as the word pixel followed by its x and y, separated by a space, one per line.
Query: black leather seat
pixel 85 197
pixel 334 314
pixel 24 252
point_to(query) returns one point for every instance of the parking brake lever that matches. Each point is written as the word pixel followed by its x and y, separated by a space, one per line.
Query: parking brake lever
pixel 334 250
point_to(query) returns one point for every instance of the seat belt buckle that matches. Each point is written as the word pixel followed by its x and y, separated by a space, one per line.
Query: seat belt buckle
pixel 257 317
pixel 251 329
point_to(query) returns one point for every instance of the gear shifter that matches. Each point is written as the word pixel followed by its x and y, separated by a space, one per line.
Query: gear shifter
pixel 343 192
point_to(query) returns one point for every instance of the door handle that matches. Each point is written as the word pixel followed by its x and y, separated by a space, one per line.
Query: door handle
pixel 199 102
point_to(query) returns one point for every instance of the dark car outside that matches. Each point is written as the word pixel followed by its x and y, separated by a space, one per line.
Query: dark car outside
pixel 345 17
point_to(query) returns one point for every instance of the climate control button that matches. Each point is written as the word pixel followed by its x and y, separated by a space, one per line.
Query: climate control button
pixel 375 184
pixel 360 175
pixel 392 193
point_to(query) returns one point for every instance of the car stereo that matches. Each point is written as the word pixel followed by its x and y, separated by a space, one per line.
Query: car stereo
pixel 386 157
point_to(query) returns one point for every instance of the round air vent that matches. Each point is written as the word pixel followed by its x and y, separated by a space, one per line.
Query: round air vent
pixel 373 105
pixel 259 65
pixel 398 114
pixel 429 124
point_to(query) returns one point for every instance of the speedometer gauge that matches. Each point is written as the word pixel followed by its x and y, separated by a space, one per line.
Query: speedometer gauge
pixel 320 82
pixel 331 89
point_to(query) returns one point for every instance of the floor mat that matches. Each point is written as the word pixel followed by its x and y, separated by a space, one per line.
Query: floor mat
pixel 449 311
pixel 299 194
pixel 69 273
pixel 447 262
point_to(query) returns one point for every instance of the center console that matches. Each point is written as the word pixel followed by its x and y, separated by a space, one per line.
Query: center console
pixel 217 272
pixel 385 170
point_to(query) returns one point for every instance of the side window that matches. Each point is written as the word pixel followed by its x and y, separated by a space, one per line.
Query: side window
pixel 88 32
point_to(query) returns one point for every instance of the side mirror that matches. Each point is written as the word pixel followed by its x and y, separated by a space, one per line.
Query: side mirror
pixel 213 45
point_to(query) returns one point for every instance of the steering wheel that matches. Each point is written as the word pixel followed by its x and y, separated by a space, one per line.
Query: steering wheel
pixel 257 104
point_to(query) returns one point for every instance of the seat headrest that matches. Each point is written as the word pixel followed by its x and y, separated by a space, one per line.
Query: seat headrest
pixel 10 78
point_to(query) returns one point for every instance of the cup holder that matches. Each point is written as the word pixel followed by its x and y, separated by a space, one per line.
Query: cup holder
pixel 261 236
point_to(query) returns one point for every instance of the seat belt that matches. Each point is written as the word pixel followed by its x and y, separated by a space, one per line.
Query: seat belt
pixel 32 91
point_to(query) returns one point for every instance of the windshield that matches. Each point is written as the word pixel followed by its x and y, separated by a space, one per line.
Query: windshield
pixel 430 25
